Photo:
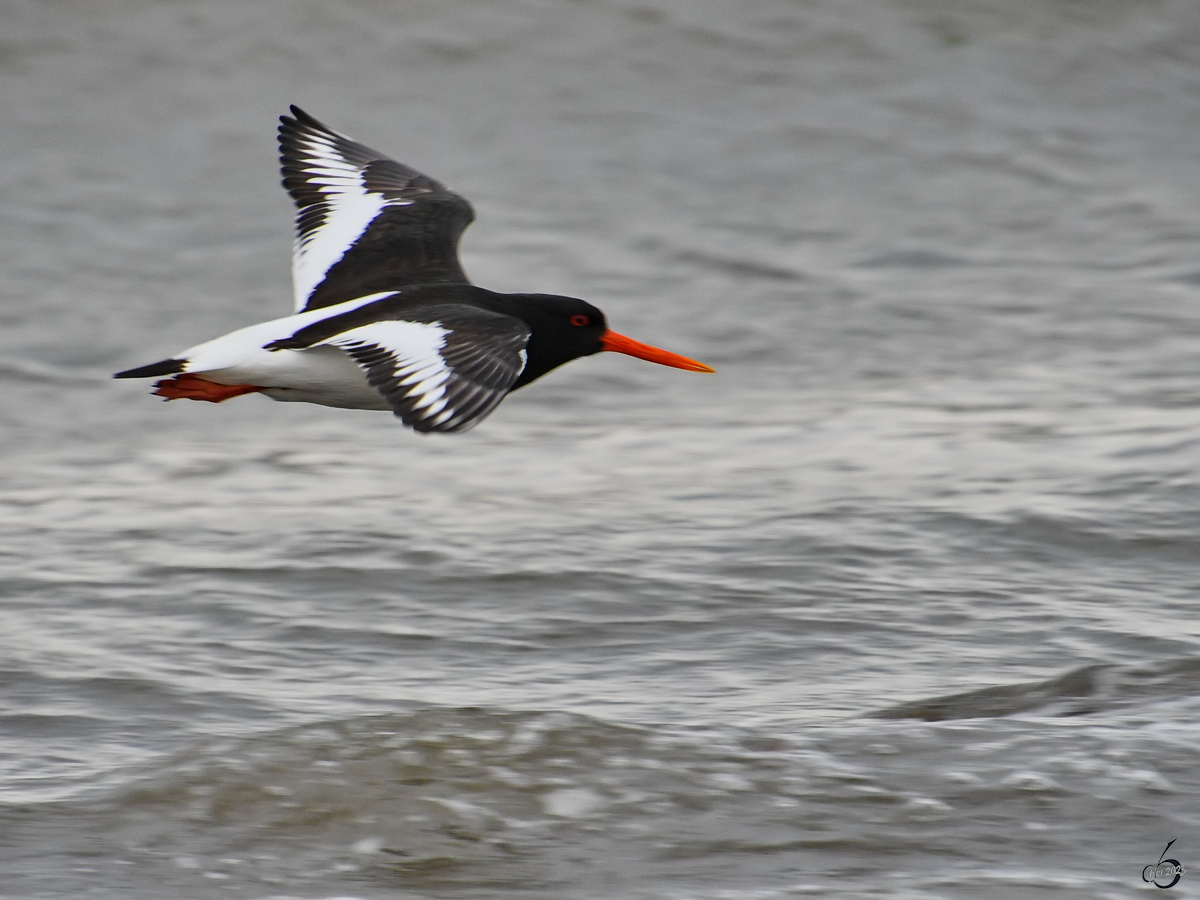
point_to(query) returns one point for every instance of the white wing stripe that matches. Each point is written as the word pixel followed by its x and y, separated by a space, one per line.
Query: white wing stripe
pixel 435 408
pixel 427 387
pixel 415 348
pixel 419 375
pixel 350 210
pixel 435 377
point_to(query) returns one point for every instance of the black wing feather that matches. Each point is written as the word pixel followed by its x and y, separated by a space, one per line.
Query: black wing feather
pixel 415 242
pixel 483 352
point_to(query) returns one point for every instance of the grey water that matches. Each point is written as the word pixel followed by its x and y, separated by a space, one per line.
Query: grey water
pixel 901 603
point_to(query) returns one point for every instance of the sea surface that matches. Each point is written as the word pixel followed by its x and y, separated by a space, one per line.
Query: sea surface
pixel 902 603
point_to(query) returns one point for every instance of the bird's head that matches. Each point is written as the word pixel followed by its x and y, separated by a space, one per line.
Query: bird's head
pixel 565 328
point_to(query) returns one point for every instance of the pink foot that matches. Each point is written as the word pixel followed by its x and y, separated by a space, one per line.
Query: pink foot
pixel 193 387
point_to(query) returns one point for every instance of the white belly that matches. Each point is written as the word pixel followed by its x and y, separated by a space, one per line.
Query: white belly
pixel 324 375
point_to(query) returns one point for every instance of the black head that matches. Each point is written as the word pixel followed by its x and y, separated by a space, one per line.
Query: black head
pixel 564 328
pixel 561 329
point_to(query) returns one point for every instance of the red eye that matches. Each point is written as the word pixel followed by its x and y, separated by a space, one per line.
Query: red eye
pixel 580 321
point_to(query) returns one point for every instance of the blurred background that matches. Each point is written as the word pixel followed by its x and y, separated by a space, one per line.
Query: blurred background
pixel 900 603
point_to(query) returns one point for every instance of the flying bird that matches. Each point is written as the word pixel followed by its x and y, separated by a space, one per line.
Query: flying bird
pixel 385 317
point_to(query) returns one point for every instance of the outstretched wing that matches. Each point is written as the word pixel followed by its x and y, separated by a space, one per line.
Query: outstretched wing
pixel 442 368
pixel 366 223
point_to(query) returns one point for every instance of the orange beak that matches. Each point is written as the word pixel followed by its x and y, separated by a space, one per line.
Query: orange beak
pixel 618 343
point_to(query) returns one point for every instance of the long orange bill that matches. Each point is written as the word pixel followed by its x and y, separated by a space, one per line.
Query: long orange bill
pixel 618 343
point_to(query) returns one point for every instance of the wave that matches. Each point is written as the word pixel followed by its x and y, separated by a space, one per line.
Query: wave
pixel 1089 689
pixel 433 797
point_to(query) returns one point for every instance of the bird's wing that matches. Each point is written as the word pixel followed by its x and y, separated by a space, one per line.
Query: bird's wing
pixel 366 223
pixel 442 368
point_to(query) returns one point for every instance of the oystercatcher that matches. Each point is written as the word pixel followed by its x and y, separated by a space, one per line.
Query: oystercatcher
pixel 385 317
